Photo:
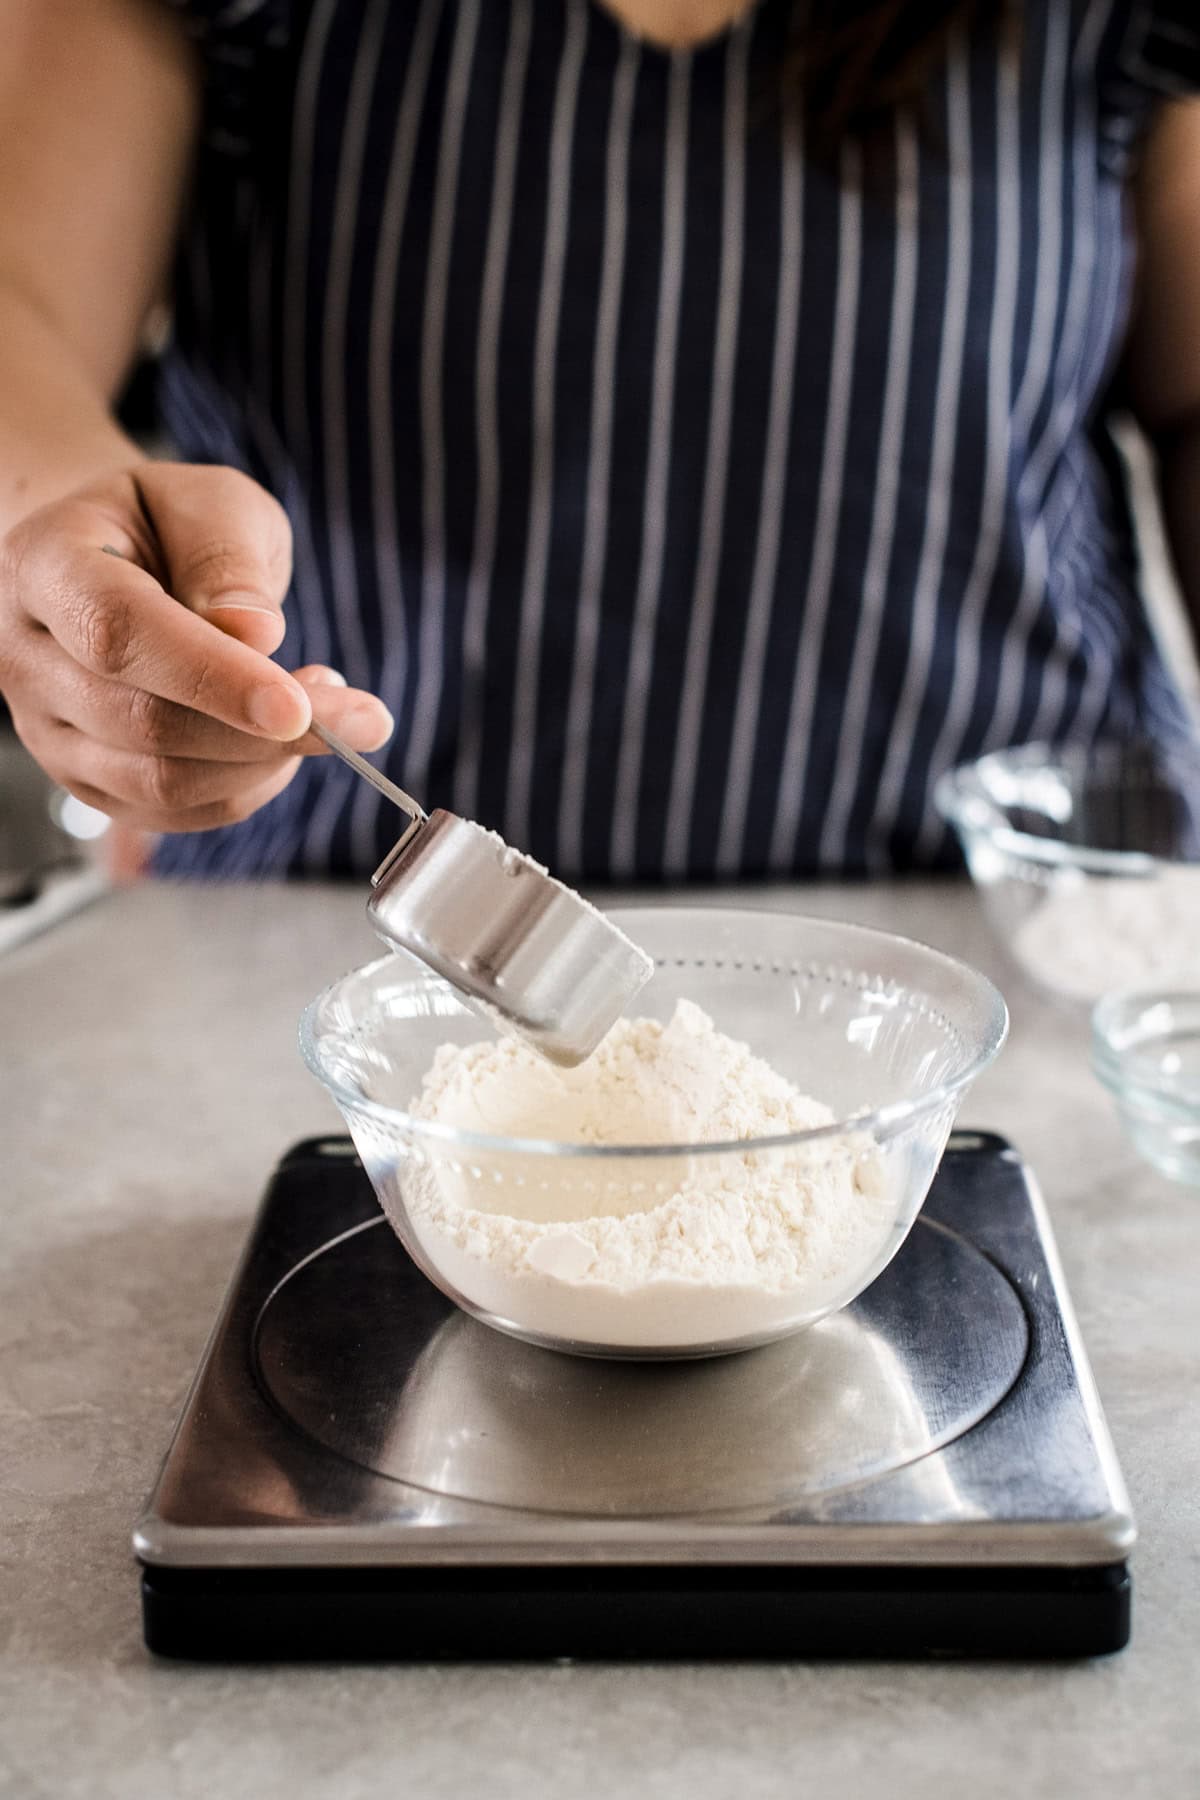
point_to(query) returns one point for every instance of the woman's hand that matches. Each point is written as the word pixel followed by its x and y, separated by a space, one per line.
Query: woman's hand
pixel 137 618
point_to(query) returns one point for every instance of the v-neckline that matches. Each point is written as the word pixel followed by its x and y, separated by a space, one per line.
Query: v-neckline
pixel 717 43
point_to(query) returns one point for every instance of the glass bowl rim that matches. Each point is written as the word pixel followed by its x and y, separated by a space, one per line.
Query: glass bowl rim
pixel 1109 1059
pixel 960 788
pixel 882 1121
pixel 1109 1062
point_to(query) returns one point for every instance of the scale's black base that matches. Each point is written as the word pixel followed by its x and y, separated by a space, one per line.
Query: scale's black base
pixel 634 1614
pixel 361 1472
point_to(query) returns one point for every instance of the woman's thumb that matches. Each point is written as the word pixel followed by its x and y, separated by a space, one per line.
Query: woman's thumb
pixel 226 547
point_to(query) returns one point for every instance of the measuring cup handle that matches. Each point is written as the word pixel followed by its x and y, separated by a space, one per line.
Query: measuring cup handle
pixel 370 773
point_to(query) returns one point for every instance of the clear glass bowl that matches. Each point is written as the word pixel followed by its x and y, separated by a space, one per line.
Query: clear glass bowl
pixel 888 1033
pixel 1146 1051
pixel 1088 861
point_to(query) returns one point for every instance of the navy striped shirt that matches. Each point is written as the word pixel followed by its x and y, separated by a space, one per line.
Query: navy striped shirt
pixel 691 501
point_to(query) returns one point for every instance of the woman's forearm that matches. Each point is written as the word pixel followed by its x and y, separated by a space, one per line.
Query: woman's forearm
pixel 56 428
pixel 1179 477
pixel 98 114
pixel 1163 360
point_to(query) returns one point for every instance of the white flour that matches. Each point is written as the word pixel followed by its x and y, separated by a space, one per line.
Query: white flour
pixel 646 1252
pixel 1088 939
pixel 514 861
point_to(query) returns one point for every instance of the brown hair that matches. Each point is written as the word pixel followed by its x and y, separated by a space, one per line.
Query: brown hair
pixel 854 62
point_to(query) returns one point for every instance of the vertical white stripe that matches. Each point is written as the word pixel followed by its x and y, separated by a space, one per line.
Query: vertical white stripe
pixel 658 467
pixel 248 853
pixel 1071 354
pixel 1041 340
pixel 1048 259
pixel 295 318
pixel 285 483
pixel 487 364
pixel 541 496
pixel 798 736
pixel 1100 663
pixel 716 476
pixel 969 615
pixel 237 13
pixel 430 646
pixel 1050 203
pixel 339 510
pixel 306 597
pixel 941 466
pixel 381 326
pixel 595 530
pixel 847 759
pixel 291 837
pixel 765 568
pixel 297 426
pixel 364 802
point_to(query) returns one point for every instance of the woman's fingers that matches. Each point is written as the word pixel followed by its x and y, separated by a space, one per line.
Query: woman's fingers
pixel 210 817
pixel 137 618
pixel 114 619
pixel 362 720
pixel 167 786
pixel 224 546
pixel 128 718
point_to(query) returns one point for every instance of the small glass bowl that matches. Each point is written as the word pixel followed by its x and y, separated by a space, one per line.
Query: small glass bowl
pixel 888 1033
pixel 1146 1051
pixel 1087 860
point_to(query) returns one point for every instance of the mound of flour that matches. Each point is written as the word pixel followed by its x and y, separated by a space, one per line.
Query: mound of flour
pixel 657 1252
pixel 1092 936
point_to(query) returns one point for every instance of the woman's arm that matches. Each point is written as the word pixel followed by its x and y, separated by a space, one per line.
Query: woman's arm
pixel 99 103
pixel 1164 349
pixel 168 716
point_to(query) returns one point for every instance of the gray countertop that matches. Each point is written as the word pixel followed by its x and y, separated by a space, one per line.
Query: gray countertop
pixel 149 1079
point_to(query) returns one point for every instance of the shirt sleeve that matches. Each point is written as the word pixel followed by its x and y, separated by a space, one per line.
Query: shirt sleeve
pixel 241 45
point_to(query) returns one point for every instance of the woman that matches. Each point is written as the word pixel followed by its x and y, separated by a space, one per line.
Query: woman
pixel 687 416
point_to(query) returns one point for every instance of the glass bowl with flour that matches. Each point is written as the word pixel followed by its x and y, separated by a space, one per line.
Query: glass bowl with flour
pixel 1087 861
pixel 738 1159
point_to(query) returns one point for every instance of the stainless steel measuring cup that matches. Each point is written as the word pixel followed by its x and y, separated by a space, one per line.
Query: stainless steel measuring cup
pixel 499 927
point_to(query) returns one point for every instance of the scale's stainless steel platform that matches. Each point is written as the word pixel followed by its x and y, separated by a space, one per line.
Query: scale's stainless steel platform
pixel 360 1468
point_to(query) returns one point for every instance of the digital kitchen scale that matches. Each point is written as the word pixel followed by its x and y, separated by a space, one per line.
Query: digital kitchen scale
pixel 361 1470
